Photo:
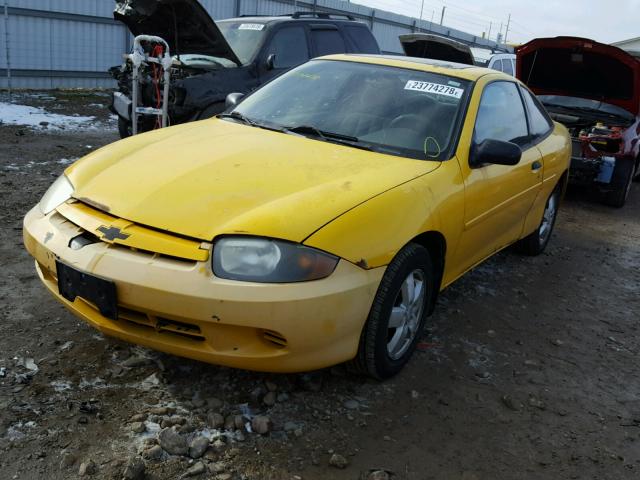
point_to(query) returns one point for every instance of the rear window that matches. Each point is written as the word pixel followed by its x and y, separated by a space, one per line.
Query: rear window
pixel 362 39
pixel 327 42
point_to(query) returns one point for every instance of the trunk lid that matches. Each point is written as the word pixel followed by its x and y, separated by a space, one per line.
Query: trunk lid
pixel 184 24
pixel 217 177
pixel 426 45
pixel 579 67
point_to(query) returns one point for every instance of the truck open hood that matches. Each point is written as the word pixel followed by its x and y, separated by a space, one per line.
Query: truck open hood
pixel 426 45
pixel 579 67
pixel 184 24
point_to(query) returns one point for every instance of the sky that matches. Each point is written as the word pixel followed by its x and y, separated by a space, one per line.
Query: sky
pixel 602 20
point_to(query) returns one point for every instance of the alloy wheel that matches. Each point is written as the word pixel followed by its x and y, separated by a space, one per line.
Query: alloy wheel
pixel 405 315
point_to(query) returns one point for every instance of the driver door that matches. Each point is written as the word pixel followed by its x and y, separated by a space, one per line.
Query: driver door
pixel 498 197
pixel 288 47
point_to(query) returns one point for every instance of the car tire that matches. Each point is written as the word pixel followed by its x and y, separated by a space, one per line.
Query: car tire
pixel 211 111
pixel 124 127
pixel 384 349
pixel 622 179
pixel 535 243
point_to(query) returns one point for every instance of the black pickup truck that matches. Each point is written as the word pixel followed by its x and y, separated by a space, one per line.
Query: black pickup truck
pixel 212 59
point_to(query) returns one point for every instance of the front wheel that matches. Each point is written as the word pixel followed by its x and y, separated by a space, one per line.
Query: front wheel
pixel 124 127
pixel 398 314
pixel 536 242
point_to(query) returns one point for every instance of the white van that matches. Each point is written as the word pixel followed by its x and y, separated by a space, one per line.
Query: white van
pixel 503 62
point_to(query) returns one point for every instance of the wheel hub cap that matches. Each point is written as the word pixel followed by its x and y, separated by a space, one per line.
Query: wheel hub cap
pixel 405 314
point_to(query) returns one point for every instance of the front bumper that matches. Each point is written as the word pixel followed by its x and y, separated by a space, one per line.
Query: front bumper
pixel 178 306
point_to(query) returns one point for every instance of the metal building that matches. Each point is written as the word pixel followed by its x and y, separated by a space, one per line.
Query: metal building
pixel 72 43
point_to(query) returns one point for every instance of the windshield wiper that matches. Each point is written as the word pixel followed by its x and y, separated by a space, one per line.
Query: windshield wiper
pixel 248 121
pixel 348 140
pixel 238 116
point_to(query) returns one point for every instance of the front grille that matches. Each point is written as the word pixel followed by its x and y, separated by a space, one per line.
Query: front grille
pixel 159 324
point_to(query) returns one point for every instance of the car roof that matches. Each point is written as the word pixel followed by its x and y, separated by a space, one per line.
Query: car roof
pixel 289 18
pixel 459 70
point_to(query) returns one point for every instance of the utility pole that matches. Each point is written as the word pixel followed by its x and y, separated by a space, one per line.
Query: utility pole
pixel 442 15
pixel 507 30
pixel 499 34
pixel 489 36
pixel 6 43
pixel 421 12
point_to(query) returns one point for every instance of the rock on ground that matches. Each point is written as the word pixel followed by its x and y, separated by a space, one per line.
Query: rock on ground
pixel 172 442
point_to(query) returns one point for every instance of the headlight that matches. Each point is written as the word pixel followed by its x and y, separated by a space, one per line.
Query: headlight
pixel 271 261
pixel 59 192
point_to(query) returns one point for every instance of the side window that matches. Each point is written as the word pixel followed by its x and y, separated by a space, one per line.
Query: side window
pixel 362 39
pixel 289 45
pixel 497 65
pixel 507 66
pixel 539 122
pixel 501 114
pixel 327 41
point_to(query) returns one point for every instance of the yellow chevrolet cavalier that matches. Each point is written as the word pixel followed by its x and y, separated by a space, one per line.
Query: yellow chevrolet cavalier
pixel 313 223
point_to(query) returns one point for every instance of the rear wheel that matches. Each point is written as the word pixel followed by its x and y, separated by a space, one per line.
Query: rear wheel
pixel 398 314
pixel 536 242
pixel 622 180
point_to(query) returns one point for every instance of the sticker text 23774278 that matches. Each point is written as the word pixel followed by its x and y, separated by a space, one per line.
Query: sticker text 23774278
pixel 436 88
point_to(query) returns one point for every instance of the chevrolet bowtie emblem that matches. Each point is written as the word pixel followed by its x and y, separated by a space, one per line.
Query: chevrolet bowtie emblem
pixel 112 233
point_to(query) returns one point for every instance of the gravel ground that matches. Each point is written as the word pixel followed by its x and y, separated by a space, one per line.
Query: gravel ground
pixel 527 370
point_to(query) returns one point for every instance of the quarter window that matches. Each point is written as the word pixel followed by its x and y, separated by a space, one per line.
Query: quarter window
pixel 327 42
pixel 497 65
pixel 539 123
pixel 364 41
pixel 501 115
pixel 290 47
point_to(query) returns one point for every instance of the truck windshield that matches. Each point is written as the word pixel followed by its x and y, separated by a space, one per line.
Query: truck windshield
pixel 244 37
pixel 410 113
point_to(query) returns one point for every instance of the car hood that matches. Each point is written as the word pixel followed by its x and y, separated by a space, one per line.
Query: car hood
pixel 217 177
pixel 425 45
pixel 579 67
pixel 184 24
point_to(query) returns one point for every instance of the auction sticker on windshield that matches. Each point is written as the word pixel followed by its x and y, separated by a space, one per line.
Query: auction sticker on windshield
pixel 251 26
pixel 437 88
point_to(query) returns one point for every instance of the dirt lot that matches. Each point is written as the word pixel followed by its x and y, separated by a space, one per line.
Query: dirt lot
pixel 527 370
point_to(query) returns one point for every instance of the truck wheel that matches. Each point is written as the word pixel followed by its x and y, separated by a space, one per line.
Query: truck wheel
pixel 622 180
pixel 535 243
pixel 124 127
pixel 397 315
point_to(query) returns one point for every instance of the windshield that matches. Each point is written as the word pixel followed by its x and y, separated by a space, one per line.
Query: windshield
pixel 387 109
pixel 584 104
pixel 244 38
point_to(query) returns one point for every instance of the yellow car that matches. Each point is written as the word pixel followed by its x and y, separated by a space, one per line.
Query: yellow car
pixel 313 223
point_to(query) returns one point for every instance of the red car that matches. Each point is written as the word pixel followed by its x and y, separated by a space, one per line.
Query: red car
pixel 594 90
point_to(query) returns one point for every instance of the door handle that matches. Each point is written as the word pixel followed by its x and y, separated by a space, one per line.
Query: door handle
pixel 535 166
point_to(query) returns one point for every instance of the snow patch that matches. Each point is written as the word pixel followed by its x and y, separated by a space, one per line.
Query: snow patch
pixel 39 118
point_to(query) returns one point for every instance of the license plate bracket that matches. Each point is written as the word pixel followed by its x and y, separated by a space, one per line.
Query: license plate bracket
pixel 101 292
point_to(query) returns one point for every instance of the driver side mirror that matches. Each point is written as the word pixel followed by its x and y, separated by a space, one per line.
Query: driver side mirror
pixel 494 152
pixel 271 61
pixel 233 99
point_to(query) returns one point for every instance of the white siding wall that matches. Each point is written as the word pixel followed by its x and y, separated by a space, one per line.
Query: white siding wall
pixel 50 52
